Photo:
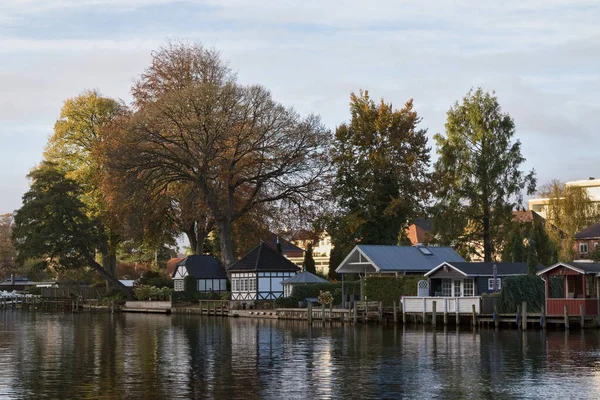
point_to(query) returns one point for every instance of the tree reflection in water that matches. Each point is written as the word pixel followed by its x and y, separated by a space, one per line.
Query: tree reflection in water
pixel 157 356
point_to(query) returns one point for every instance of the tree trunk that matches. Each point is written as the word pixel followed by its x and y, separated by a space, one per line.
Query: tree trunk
pixel 226 241
pixel 487 240
pixel 196 237
pixel 109 278
pixel 109 264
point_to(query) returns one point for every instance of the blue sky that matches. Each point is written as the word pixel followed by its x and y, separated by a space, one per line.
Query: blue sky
pixel 541 57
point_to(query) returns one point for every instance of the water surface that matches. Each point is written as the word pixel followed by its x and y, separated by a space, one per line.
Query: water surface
pixel 90 356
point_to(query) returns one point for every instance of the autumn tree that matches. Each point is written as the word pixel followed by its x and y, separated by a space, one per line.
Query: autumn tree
pixel 381 182
pixel 78 133
pixel 194 124
pixel 478 176
pixel 54 226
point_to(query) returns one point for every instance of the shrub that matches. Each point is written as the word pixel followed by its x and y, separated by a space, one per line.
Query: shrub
pixel 286 302
pixel 313 290
pixel 325 298
pixel 390 288
pixel 145 292
pixel 517 289
pixel 153 278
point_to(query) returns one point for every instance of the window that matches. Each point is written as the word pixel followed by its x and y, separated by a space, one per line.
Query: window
pixel 253 284
pixel 583 248
pixel 468 288
pixel 457 291
pixel 446 288
pixel 491 283
pixel 596 245
pixel 179 286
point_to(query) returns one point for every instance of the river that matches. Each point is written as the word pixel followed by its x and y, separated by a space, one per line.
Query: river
pixel 96 356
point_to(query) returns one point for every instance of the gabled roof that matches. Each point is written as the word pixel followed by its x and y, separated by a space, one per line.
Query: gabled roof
pixel 172 264
pixel 263 258
pixel 203 267
pixel 592 231
pixel 305 277
pixel 485 268
pixel 286 246
pixel 400 258
pixel 583 267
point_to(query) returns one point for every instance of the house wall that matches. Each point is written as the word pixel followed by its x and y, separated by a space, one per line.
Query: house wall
pixel 580 253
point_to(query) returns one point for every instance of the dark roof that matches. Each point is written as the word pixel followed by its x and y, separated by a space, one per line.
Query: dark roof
pixel 408 258
pixel 487 268
pixel 305 277
pixel 424 224
pixel 263 258
pixel 203 267
pixel 286 246
pixel 592 231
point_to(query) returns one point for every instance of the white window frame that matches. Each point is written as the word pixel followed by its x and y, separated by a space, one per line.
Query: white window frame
pixel 179 285
pixel 447 287
pixel 491 283
pixel 468 289
pixel 583 246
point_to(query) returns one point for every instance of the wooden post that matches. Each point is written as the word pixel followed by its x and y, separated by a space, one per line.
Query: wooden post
pixel 581 316
pixel 517 317
pixel 331 312
pixel 433 315
pixel 381 312
pixel 323 314
pixel 355 312
pixel 543 317
pixel 424 310
pixel 404 310
pixel 566 317
pixel 496 319
pixel 474 315
pixel 309 312
pixel 395 313
pixel 445 311
pixel 524 317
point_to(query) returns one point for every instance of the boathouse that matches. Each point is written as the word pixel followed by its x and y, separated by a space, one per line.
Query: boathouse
pixel 467 279
pixel 259 274
pixel 303 278
pixel 208 271
pixel 581 288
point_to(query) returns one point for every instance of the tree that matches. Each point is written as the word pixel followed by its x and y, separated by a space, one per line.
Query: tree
pixel 478 179
pixel 53 226
pixel 309 261
pixel 570 209
pixel 194 124
pixel 514 250
pixel 381 159
pixel 73 147
pixel 7 250
pixel 532 260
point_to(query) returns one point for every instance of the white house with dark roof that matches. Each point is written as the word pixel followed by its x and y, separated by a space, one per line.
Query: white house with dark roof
pixel 208 271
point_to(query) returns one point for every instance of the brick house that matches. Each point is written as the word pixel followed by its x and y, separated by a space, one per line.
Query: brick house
pixel 419 231
pixel 586 241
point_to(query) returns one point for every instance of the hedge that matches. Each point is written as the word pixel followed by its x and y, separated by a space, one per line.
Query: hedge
pixel 301 292
pixel 390 288
pixel 517 289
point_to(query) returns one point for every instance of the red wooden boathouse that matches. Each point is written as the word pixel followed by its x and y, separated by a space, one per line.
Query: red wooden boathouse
pixel 581 288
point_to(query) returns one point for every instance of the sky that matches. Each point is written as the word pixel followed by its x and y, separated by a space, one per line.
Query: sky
pixel 541 57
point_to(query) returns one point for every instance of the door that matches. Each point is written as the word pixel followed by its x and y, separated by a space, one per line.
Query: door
pixel 457 288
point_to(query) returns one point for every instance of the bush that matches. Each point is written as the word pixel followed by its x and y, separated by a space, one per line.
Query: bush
pixel 517 289
pixel 313 290
pixel 195 296
pixel 390 288
pixel 153 278
pixel 286 302
pixel 145 292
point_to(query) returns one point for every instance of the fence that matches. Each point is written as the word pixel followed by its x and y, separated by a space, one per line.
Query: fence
pixel 74 291
pixel 458 305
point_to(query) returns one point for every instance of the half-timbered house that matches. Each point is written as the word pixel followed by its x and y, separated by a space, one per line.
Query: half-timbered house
pixel 259 274
pixel 208 271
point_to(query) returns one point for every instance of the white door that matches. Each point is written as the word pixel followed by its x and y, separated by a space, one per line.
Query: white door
pixel 457 288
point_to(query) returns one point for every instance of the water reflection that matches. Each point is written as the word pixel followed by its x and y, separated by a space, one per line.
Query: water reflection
pixel 157 356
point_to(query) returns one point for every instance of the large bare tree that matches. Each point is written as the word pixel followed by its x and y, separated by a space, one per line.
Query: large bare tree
pixel 238 147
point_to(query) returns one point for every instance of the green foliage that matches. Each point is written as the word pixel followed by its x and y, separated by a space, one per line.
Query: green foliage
pixel 286 302
pixel 8 253
pixel 478 179
pixel 153 278
pixel 302 292
pixel 52 226
pixel 517 289
pixel 595 255
pixel 532 260
pixel 190 284
pixel 309 261
pixel 390 289
pixel 514 249
pixel 145 292
pixel 381 160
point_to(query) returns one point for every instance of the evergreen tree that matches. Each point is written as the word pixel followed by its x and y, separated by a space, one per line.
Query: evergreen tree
pixel 478 179
pixel 514 250
pixel 532 260
pixel 309 261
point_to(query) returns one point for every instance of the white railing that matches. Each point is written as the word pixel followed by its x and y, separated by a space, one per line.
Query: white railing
pixel 462 305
